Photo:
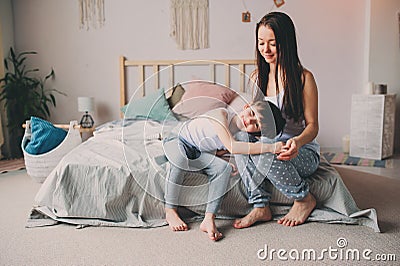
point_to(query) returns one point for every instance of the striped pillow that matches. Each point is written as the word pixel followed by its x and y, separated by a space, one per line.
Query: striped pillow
pixel 45 136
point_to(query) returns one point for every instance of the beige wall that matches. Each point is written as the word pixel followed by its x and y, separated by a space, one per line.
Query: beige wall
pixel 332 37
pixel 384 51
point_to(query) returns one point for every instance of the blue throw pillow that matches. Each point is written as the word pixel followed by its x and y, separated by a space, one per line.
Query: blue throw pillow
pixel 153 106
pixel 45 136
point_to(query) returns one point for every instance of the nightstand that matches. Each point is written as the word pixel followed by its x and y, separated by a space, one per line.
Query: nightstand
pixel 86 132
pixel 372 126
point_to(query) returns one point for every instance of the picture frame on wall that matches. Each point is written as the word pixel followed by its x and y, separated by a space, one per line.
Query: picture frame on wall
pixel 279 3
pixel 246 16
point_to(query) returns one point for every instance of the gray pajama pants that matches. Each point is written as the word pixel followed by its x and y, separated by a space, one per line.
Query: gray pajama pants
pixel 183 158
pixel 287 176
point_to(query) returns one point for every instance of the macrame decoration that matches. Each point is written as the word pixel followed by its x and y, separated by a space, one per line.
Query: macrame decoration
pixel 91 14
pixel 189 23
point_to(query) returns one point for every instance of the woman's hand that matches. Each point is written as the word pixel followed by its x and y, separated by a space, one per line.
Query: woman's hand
pixel 289 151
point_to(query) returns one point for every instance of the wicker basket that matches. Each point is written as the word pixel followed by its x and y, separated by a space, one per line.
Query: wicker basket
pixel 39 166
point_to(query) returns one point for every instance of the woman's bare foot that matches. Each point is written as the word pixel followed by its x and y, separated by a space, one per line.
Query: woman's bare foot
pixel 174 221
pixel 256 215
pixel 299 212
pixel 208 226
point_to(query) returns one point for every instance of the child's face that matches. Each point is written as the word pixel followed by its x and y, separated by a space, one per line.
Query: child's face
pixel 249 120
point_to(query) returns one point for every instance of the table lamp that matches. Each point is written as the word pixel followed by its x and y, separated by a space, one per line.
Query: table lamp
pixel 86 104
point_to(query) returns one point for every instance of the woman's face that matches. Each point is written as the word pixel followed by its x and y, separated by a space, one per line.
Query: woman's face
pixel 266 44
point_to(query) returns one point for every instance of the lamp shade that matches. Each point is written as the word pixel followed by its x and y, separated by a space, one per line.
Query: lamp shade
pixel 85 104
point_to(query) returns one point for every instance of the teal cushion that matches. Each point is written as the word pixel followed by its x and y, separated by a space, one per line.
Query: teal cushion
pixel 45 136
pixel 153 106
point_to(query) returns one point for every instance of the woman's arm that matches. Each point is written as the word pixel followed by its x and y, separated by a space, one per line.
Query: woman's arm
pixel 220 121
pixel 310 103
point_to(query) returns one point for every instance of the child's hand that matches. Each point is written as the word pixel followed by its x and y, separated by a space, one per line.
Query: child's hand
pixel 220 153
pixel 234 169
pixel 278 147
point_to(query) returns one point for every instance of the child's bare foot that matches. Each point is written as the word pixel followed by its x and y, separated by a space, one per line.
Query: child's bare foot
pixel 208 226
pixel 174 221
pixel 299 212
pixel 256 215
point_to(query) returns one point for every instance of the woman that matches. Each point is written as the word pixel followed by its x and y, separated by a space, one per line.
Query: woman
pixel 281 78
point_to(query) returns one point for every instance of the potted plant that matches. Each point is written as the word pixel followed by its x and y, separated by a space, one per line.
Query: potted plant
pixel 24 95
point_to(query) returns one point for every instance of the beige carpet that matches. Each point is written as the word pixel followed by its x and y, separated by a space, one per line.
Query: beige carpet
pixel 66 245
pixel 379 192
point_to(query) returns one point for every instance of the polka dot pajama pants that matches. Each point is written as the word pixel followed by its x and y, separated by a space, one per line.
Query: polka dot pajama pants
pixel 287 176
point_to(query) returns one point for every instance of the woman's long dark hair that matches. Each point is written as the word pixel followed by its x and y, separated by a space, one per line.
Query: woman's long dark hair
pixel 288 63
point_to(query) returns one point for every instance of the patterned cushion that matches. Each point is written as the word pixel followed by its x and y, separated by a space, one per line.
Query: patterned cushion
pixel 153 106
pixel 45 136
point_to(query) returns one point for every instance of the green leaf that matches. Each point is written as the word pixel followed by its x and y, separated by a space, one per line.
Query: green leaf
pixel 53 100
pixel 24 93
pixel 52 74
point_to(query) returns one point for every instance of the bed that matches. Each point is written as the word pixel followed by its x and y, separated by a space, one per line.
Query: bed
pixel 116 178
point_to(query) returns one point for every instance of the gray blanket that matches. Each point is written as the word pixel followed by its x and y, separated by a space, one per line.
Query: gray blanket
pixel 116 178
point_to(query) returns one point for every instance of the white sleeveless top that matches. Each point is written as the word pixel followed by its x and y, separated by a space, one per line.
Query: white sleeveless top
pixel 200 133
pixel 291 128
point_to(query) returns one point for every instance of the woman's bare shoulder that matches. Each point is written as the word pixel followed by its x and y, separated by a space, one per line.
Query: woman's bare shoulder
pixel 308 74
pixel 308 77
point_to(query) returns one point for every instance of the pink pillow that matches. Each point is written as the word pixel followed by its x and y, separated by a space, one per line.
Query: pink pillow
pixel 202 96
pixel 240 101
